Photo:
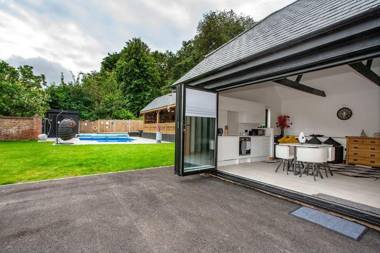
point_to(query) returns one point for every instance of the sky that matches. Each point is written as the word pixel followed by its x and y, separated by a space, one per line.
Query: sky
pixel 74 35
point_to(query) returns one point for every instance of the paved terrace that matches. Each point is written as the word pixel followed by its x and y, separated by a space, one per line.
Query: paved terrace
pixel 155 211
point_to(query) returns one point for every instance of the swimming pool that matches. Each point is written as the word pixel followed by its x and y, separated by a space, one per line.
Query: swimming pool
pixel 106 137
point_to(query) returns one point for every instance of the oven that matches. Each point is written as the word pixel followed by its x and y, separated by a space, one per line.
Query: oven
pixel 244 145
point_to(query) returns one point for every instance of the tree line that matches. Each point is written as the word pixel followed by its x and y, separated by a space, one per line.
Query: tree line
pixel 127 80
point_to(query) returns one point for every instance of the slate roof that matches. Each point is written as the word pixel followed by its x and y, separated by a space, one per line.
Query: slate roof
pixel 163 101
pixel 299 19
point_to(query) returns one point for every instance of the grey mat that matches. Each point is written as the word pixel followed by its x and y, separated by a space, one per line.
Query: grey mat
pixel 334 223
pixel 356 171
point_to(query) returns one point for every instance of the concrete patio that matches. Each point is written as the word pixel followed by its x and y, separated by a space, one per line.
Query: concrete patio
pixel 155 211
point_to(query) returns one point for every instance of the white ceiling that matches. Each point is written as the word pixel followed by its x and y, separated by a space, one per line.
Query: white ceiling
pixel 332 81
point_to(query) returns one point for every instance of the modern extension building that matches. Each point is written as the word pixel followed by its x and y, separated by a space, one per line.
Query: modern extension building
pixel 315 61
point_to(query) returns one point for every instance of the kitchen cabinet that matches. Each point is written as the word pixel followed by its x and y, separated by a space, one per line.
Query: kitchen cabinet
pixel 260 146
pixel 247 117
pixel 228 147
pixel 233 122
pixel 222 120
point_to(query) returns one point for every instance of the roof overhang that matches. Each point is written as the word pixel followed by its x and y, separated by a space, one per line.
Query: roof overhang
pixel 167 107
pixel 347 42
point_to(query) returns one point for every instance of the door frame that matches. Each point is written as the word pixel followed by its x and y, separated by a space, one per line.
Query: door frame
pixel 180 114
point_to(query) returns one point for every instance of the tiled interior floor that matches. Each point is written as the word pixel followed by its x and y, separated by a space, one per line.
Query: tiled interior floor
pixel 364 191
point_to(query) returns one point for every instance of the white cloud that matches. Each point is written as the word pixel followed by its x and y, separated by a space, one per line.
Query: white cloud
pixel 51 70
pixel 258 9
pixel 29 35
pixel 78 34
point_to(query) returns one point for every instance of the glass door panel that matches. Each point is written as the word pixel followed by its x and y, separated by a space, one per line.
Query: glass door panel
pixel 196 121
pixel 199 143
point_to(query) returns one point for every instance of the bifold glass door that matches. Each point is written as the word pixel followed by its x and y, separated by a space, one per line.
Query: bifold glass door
pixel 196 124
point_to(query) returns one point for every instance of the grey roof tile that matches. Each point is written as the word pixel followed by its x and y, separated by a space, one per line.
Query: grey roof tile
pixel 165 100
pixel 296 20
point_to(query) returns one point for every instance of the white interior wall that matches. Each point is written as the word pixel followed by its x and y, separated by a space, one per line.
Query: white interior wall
pixel 249 113
pixel 343 87
pixel 264 94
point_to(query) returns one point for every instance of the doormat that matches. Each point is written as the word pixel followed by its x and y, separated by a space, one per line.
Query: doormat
pixel 334 223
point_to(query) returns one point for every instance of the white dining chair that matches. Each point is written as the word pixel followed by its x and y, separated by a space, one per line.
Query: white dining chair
pixel 314 158
pixel 286 154
pixel 330 158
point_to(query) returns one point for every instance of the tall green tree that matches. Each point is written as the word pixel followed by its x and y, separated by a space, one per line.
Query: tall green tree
pixel 107 96
pixel 21 92
pixel 108 63
pixel 71 96
pixel 165 64
pixel 186 58
pixel 138 75
pixel 215 29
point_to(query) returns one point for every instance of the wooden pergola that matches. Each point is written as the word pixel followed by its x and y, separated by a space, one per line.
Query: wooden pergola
pixel 159 116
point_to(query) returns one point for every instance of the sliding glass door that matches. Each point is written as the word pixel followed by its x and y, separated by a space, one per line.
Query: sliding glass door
pixel 196 124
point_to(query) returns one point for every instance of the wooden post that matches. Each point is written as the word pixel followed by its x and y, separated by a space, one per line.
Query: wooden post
pixel 158 122
pixel 158 117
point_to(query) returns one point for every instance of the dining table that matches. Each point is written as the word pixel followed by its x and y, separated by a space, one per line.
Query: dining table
pixel 304 145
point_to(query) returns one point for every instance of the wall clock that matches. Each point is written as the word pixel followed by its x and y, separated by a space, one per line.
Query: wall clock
pixel 344 113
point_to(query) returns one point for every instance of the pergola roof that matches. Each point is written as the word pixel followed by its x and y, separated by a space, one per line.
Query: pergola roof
pixel 299 21
pixel 160 102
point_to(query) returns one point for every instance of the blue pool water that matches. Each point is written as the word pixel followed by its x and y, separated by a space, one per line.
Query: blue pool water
pixel 106 137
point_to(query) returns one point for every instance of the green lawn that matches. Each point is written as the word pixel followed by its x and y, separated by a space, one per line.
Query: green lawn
pixel 31 161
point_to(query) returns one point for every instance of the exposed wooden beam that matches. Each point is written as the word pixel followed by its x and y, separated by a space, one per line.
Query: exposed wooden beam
pixel 299 86
pixel 365 70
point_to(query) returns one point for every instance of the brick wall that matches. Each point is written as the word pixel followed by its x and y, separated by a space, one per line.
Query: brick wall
pixel 20 128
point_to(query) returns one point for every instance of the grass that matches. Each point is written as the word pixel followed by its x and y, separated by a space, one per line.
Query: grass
pixel 33 161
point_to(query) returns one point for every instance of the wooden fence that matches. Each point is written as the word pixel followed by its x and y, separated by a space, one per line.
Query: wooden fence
pixel 110 126
pixel 165 128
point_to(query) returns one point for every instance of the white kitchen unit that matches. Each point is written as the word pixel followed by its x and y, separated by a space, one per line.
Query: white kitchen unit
pixel 228 150
pixel 233 122
pixel 249 117
pixel 260 146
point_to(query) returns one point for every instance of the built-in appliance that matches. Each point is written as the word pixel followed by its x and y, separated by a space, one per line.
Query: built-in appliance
pixel 244 145
pixel 257 132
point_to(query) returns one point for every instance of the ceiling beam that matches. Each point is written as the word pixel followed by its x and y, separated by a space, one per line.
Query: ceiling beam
pixel 299 86
pixel 365 70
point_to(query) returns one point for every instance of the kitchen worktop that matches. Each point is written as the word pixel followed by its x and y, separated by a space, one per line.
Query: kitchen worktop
pixel 228 149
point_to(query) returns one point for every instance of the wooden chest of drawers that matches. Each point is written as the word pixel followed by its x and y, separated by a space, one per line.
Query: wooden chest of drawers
pixel 363 151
